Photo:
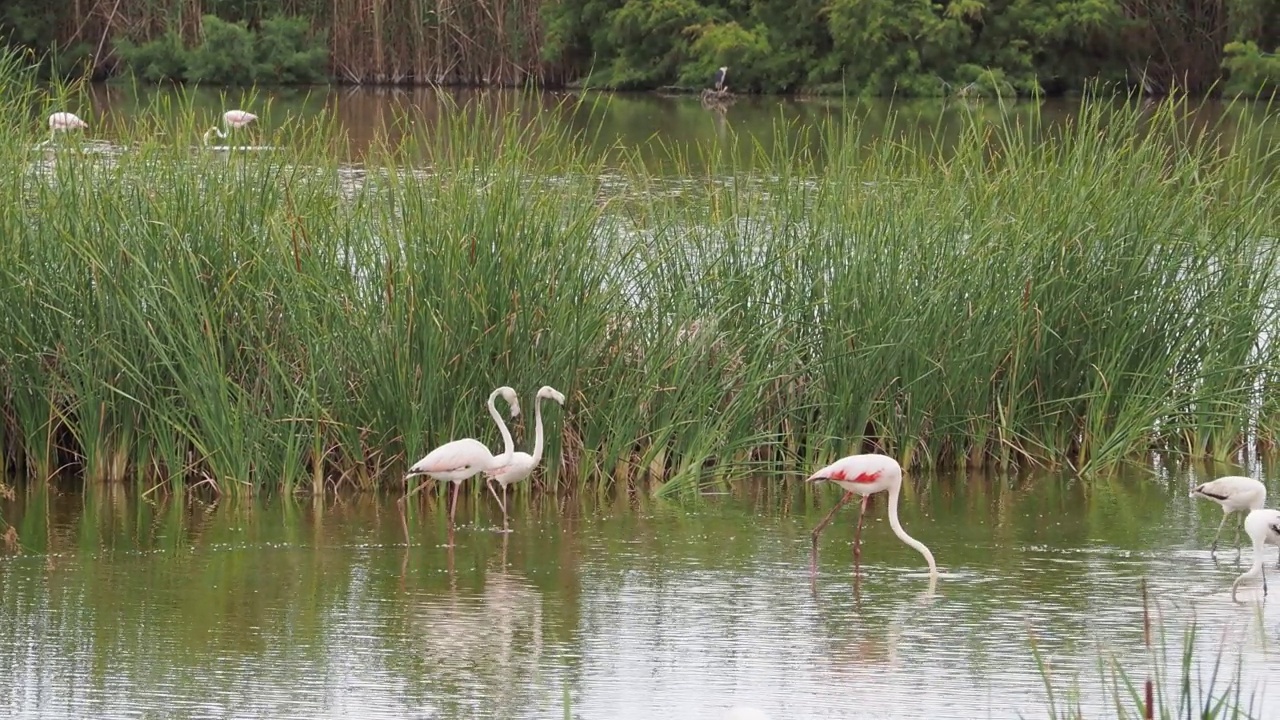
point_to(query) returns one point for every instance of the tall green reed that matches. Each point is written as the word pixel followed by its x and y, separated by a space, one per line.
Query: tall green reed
pixel 1076 294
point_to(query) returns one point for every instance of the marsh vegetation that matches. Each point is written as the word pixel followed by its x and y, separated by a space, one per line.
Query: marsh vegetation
pixel 1071 294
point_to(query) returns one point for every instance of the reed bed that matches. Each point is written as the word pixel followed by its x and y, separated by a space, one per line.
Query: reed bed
pixel 1083 294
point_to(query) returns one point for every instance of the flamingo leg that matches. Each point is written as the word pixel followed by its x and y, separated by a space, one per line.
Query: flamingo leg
pixel 1214 548
pixel 857 536
pixel 813 556
pixel 501 503
pixel 454 507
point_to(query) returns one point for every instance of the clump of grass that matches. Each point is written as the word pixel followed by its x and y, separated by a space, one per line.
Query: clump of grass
pixel 1185 693
pixel 1079 294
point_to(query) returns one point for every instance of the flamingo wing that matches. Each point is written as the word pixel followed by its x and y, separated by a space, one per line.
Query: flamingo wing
pixel 1235 492
pixel 861 469
pixel 66 121
pixel 520 467
pixel 457 456
pixel 238 118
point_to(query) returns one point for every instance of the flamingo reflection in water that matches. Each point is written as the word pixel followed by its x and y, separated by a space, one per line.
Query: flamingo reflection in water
pixel 485 638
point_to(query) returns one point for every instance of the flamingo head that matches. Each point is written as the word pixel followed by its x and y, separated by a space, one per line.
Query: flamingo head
pixel 546 391
pixel 509 394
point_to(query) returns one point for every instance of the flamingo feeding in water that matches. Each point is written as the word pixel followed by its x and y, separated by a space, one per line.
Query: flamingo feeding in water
pixel 1263 526
pixel 866 475
pixel 64 122
pixel 1236 494
pixel 460 459
pixel 522 463
pixel 234 120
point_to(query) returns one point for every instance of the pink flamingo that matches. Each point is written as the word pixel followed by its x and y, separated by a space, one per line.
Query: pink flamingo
pixel 522 463
pixel 460 459
pixel 866 475
pixel 234 120
pixel 64 122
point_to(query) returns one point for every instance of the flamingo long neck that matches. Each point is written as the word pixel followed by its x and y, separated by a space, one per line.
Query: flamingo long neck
pixel 902 534
pixel 537 431
pixel 508 444
pixel 1259 546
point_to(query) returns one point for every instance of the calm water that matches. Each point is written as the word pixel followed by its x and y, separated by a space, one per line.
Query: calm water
pixel 655 126
pixel 636 609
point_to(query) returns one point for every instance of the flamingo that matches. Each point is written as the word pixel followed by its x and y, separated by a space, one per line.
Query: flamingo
pixel 234 120
pixel 1235 493
pixel 64 122
pixel 460 459
pixel 866 475
pixel 522 463
pixel 1263 526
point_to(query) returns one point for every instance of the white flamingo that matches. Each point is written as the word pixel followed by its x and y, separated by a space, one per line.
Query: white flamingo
pixel 64 122
pixel 1263 526
pixel 866 475
pixel 460 459
pixel 522 463
pixel 1236 494
pixel 234 120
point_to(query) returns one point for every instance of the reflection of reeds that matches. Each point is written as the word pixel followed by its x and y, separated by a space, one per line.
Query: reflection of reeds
pixel 1076 295
pixel 1156 696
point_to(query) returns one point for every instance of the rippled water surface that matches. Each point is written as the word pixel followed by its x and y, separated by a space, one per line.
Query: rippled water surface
pixel 626 608
pixel 659 128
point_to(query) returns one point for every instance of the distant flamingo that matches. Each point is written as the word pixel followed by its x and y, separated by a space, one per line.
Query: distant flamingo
pixel 1235 493
pixel 522 464
pixel 64 122
pixel 1263 526
pixel 234 120
pixel 866 475
pixel 460 459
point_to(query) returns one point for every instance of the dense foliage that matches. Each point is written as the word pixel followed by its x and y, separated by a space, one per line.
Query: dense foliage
pixel 915 47
pixel 1022 294
pixel 281 51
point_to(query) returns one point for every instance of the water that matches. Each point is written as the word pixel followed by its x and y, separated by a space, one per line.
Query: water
pixel 117 607
pixel 609 123
pixel 123 608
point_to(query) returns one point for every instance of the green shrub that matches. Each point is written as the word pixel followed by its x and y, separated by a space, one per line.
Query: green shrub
pixel 225 56
pixel 651 42
pixel 718 44
pixel 165 58
pixel 288 54
pixel 1251 71
pixel 281 51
